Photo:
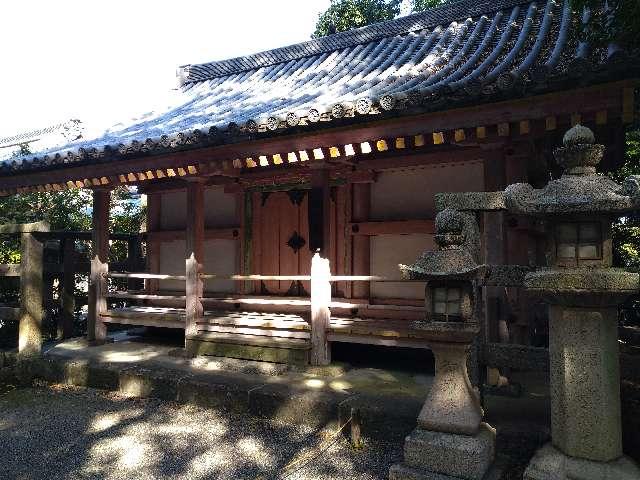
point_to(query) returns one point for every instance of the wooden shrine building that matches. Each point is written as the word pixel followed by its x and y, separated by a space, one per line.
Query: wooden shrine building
pixel 338 145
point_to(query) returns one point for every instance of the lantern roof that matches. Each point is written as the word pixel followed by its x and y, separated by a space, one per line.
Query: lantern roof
pixel 580 189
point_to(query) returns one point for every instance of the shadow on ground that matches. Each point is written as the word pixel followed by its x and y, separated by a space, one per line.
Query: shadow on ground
pixel 68 433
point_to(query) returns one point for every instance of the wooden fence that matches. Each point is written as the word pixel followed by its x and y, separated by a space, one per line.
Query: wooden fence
pixel 38 275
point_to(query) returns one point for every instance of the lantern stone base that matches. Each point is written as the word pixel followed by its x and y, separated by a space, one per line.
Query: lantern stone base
pixel 549 463
pixel 432 455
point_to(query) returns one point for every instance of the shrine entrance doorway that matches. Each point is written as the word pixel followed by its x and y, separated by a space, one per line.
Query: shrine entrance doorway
pixel 280 240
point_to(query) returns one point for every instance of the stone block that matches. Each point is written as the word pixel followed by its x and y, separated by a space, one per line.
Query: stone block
pixel 140 382
pixel 461 456
pixel 84 374
pixel 549 463
pixel 28 369
pixel 289 404
pixel 382 417
pixel 215 391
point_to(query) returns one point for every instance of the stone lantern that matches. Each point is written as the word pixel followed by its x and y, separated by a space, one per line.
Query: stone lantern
pixel 451 441
pixel 583 292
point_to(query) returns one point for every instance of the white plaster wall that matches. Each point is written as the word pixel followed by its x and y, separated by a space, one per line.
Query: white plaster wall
pixel 387 251
pixel 219 209
pixel 409 194
pixel 172 258
pixel 173 210
pixel 219 258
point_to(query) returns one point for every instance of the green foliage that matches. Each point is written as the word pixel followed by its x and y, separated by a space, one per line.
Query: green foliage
pixel 621 23
pixel 347 14
pixel 626 232
pixel 127 215
pixel 420 5
pixel 66 210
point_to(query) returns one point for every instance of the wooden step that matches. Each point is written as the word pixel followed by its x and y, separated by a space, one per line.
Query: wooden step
pixel 375 327
pixel 146 317
pixel 259 332
pixel 255 319
pixel 251 347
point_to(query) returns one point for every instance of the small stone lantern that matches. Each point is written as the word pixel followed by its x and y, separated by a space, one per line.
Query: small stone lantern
pixel 451 440
pixel 583 293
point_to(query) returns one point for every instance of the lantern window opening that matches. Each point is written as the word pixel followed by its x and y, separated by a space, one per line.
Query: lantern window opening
pixel 579 241
pixel 446 302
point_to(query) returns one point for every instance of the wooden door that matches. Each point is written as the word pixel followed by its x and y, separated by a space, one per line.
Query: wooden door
pixel 280 240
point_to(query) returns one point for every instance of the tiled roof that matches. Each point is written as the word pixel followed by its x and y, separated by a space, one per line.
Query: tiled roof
pixel 466 52
pixel 70 130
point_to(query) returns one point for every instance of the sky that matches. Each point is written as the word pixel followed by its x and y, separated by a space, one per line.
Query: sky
pixel 103 62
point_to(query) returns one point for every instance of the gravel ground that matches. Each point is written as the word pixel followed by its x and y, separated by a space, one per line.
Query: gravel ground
pixel 67 433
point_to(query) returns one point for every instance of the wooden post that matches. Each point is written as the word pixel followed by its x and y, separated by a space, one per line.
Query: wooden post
pixel 134 261
pixel 361 243
pixel 67 297
pixel 320 313
pixel 356 429
pixel 153 246
pixel 194 256
pixel 31 283
pixel 493 241
pixel 494 245
pixel 96 329
pixel 320 212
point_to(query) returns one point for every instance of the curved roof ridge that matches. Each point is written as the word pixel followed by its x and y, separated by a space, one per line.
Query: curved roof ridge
pixel 445 14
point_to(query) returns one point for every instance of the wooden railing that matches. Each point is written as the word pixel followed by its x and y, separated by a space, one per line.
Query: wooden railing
pixel 320 301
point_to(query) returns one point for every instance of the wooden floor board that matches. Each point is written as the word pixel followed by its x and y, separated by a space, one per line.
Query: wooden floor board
pixel 271 326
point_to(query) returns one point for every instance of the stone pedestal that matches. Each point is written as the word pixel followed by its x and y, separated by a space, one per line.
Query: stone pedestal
pixel 453 405
pixel 585 399
pixel 451 442
pixel 586 426
pixel 549 463
pixel 438 455
pixel 585 382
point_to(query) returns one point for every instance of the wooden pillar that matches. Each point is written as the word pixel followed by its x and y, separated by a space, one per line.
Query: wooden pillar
pixel 320 244
pixel 361 243
pixel 320 313
pixel 96 329
pixel 154 211
pixel 67 296
pixel 194 255
pixel 320 212
pixel 31 283
pixel 493 243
